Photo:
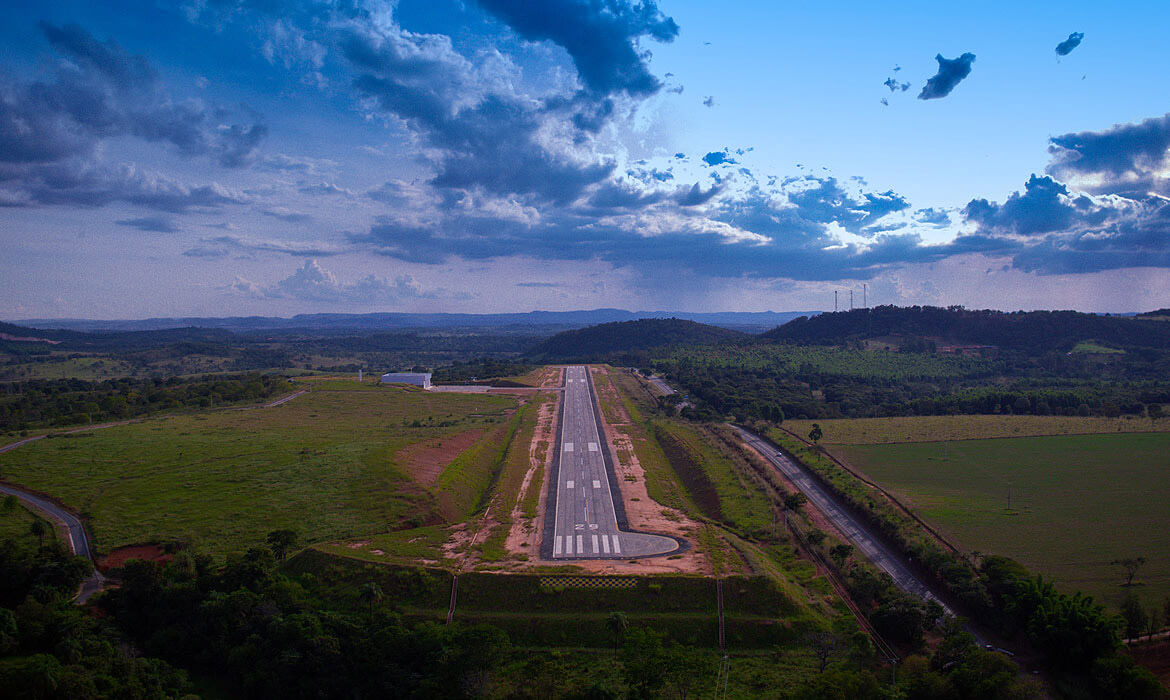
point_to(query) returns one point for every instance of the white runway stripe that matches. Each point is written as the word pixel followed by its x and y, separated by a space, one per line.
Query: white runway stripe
pixel 569 484
pixel 617 548
pixel 596 484
pixel 568 447
pixel 605 544
pixel 557 546
pixel 593 447
pixel 595 544
pixel 568 544
pixel 580 545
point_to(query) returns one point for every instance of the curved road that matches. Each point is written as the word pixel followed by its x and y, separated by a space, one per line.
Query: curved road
pixel 78 540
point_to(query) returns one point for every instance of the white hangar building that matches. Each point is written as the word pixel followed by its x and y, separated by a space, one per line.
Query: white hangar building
pixel 422 379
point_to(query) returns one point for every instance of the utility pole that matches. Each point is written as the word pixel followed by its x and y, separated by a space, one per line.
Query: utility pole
pixel 834 301
pixel 359 376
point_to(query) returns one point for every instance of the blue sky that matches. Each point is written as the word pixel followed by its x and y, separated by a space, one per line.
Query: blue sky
pixel 264 157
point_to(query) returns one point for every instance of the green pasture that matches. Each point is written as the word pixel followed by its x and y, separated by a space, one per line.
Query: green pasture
pixel 321 464
pixel 1076 503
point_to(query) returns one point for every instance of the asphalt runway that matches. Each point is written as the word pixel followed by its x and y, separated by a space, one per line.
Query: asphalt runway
pixel 586 524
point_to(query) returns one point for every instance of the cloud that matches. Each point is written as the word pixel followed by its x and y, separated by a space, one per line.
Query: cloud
pixel 325 188
pixel 158 224
pixel 539 285
pixel 933 217
pixel 254 245
pixel 82 184
pixel 286 214
pixel 601 36
pixel 823 200
pixel 313 283
pixel 100 91
pixel 695 195
pixel 719 158
pixel 950 73
pixel 479 132
pixel 1065 47
pixel 1127 158
pixel 1050 229
pixel 895 86
pixel 709 101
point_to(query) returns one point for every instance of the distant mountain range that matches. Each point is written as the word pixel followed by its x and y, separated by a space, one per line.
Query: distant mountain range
pixel 750 322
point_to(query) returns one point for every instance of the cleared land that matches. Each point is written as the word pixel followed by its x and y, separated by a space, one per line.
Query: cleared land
pixel 325 465
pixel 870 431
pixel 1077 502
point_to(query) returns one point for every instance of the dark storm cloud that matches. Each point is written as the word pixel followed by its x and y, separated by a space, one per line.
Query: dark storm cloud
pixel 1127 158
pixel 86 185
pixel 51 128
pixel 483 135
pixel 695 195
pixel 1065 47
pixel 104 91
pixel 1043 207
pixel 1057 231
pixel 601 36
pixel 950 73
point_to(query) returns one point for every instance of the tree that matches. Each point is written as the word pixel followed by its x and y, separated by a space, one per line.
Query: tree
pixel 840 554
pixel 1154 410
pixel 816 433
pixel 39 530
pixel 816 536
pixel 281 541
pixel 824 646
pixel 617 624
pixel 1134 616
pixel 370 594
pixel 794 501
pixel 1131 566
pixel 1166 612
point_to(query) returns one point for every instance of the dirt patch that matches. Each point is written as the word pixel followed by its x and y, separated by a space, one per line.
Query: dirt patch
pixel 609 398
pixel 146 552
pixel 1154 656
pixel 425 460
pixel 525 533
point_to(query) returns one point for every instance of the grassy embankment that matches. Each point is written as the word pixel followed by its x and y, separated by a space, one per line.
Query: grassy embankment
pixel 689 468
pixel 321 464
pixel 868 431
pixel 1077 503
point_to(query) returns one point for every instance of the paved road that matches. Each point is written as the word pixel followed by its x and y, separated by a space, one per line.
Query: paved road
pixel 585 520
pixel 661 385
pixel 285 399
pixel 78 541
pixel 866 543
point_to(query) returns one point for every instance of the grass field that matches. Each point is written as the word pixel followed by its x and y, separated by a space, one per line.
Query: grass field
pixel 1077 502
pixel 16 522
pixel 869 431
pixel 322 464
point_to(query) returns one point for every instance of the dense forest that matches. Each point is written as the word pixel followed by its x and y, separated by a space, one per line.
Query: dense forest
pixel 1031 331
pixel 55 402
pixel 612 338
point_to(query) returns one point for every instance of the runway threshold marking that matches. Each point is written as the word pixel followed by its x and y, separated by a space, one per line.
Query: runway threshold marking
pixel 568 484
pixel 617 548
pixel 557 546
pixel 596 484
pixel 568 447
pixel 595 550
pixel 605 544
pixel 593 447
pixel 580 544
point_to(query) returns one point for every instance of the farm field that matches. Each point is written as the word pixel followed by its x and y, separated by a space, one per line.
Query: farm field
pixel 323 464
pixel 1077 502
pixel 869 431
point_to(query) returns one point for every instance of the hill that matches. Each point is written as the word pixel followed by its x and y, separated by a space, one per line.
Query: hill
pixel 625 336
pixel 1030 331
pixel 547 321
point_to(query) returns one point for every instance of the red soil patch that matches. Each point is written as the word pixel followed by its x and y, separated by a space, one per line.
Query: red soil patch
pixel 424 461
pixel 146 552
pixel 1154 656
